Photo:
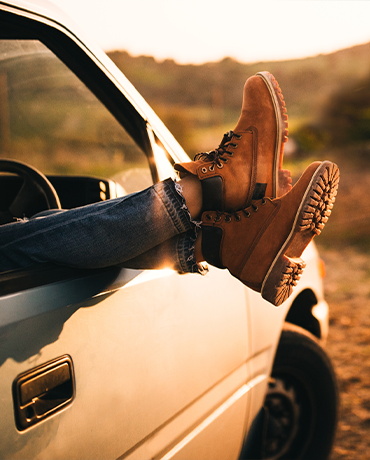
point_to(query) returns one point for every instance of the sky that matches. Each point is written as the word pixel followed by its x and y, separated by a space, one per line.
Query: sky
pixel 197 31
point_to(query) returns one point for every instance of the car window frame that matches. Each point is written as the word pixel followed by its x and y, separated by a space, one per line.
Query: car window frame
pixel 85 66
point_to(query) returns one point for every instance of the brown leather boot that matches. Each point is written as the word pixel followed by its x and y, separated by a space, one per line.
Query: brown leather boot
pixel 246 164
pixel 261 245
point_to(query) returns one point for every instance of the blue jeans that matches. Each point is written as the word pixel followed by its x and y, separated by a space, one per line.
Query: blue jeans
pixel 148 229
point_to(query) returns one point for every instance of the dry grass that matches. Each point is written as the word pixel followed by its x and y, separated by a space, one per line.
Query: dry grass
pixel 345 248
pixel 348 293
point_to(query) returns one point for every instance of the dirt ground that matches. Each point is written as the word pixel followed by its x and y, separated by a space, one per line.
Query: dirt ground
pixel 347 287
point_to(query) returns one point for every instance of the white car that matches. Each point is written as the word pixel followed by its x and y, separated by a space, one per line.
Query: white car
pixel 121 363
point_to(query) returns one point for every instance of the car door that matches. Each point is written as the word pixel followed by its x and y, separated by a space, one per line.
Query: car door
pixel 115 362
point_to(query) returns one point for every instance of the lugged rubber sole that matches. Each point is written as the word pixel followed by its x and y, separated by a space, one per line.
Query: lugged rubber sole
pixel 311 217
pixel 278 286
pixel 282 124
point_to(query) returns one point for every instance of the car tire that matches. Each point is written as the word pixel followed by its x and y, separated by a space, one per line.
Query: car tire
pixel 301 404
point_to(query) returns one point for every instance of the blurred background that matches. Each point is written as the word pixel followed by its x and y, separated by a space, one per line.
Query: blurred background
pixel 190 59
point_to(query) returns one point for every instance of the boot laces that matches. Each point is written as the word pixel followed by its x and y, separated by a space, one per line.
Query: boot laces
pixel 217 156
pixel 228 216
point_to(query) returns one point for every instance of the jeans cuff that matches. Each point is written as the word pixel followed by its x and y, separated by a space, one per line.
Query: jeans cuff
pixel 185 245
pixel 171 196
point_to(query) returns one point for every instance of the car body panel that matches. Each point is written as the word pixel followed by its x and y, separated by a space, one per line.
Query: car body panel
pixel 114 394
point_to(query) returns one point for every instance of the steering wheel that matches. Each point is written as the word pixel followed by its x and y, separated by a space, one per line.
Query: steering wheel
pixel 35 185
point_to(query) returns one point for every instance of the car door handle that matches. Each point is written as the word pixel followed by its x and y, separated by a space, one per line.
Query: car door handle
pixel 42 391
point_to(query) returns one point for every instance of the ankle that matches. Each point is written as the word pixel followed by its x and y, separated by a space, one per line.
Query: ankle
pixel 192 193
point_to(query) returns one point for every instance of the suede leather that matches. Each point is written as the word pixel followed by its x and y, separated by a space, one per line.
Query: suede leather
pixel 249 245
pixel 255 156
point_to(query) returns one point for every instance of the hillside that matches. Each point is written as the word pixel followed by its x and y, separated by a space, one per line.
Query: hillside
pixel 306 83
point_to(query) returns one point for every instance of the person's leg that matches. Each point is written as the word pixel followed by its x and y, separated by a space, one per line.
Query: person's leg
pixel 105 233
pixel 178 253
pixel 191 190
pixel 261 245
pixel 257 237
pixel 116 231
pixel 181 252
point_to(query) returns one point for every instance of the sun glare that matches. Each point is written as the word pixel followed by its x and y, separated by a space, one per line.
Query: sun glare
pixel 201 31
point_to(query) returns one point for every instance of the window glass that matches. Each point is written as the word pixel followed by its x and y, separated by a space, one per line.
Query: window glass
pixel 52 121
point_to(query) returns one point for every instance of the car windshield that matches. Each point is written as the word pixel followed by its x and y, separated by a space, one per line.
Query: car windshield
pixel 51 120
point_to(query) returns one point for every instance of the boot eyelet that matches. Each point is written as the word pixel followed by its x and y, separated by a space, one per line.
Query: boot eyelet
pixel 227 219
pixel 208 217
pixel 237 218
pixel 217 219
pixel 238 136
pixel 247 214
pixel 255 209
pixel 234 146
pixel 220 166
pixel 204 170
pixel 263 202
pixel 211 168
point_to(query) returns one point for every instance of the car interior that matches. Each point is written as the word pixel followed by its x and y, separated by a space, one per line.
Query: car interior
pixel 28 193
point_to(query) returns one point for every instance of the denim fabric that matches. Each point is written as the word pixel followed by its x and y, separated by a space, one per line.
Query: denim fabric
pixel 176 253
pixel 154 223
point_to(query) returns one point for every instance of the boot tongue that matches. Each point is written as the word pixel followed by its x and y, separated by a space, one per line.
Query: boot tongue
pixel 187 168
pixel 192 167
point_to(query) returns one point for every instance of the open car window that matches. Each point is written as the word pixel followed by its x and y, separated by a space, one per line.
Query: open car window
pixel 51 120
pixel 61 114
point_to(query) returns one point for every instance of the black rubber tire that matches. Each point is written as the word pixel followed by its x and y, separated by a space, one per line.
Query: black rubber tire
pixel 302 401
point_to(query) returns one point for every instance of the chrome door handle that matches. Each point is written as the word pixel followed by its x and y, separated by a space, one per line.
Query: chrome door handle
pixel 42 391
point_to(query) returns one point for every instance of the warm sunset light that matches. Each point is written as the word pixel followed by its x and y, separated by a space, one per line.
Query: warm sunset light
pixel 144 143
pixel 194 31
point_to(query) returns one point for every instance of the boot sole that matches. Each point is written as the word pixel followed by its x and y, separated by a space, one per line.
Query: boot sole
pixel 310 219
pixel 282 124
